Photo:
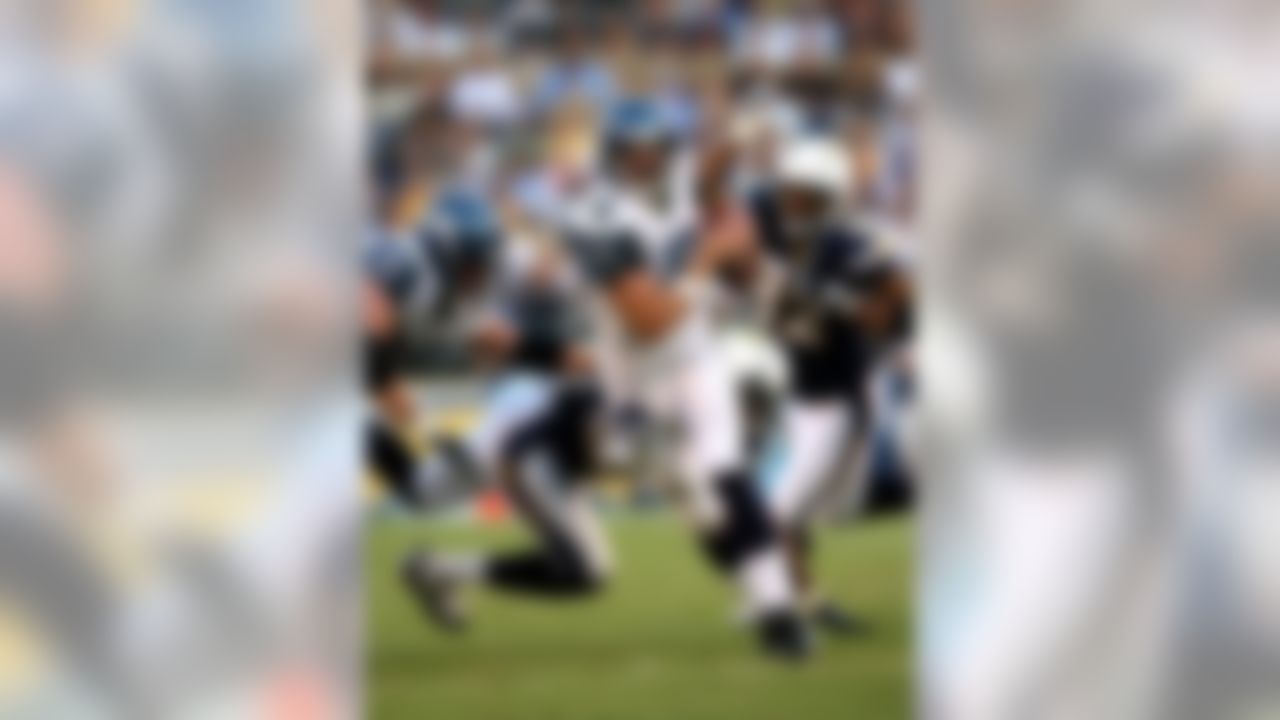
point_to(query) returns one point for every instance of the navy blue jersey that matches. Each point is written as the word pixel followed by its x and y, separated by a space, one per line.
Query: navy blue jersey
pixel 547 322
pixel 823 280
pixel 434 311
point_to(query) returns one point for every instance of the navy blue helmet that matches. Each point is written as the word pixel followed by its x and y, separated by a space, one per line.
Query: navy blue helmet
pixel 462 232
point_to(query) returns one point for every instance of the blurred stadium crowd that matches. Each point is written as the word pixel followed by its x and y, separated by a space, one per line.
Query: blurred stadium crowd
pixel 510 95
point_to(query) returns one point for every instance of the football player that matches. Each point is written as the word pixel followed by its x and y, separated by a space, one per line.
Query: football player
pixel 837 303
pixel 638 239
pixel 535 437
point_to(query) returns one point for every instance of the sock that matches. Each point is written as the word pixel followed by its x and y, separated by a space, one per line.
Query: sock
pixel 747 547
pixel 765 582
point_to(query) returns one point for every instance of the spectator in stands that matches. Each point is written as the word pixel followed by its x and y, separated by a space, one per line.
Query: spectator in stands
pixel 485 91
pixel 575 73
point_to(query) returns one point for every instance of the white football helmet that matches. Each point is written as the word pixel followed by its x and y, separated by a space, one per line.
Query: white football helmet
pixel 818 163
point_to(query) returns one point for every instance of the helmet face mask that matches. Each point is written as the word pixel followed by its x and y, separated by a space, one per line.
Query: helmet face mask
pixel 814 181
pixel 805 209
pixel 642 162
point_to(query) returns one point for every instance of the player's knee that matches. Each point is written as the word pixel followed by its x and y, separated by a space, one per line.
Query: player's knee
pixel 579 570
pixel 597 568
pixel 595 580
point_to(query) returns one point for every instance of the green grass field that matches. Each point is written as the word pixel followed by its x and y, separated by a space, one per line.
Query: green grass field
pixel 658 645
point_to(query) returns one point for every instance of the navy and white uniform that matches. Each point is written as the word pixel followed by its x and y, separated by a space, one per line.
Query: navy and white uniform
pixel 536 423
pixel 815 287
pixel 541 424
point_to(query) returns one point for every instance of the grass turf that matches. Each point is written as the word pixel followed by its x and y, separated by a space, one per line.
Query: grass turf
pixel 658 645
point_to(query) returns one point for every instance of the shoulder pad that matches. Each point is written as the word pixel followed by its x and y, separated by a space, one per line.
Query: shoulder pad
pixel 600 237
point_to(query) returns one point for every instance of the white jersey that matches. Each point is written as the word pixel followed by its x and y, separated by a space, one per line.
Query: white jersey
pixel 611 229
pixel 659 226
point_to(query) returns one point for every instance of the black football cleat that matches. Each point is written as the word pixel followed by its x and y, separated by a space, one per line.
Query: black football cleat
pixel 433 590
pixel 784 636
